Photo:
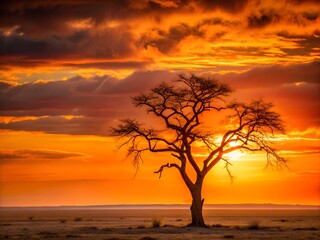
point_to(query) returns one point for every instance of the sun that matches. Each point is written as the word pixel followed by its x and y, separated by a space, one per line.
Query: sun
pixel 234 156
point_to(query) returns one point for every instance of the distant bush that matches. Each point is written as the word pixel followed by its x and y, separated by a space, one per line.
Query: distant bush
pixel 156 223
pixel 141 226
pixel 218 225
pixel 254 225
pixel 147 238
pixel 30 218
pixel 228 236
pixel 62 220
pixel 78 219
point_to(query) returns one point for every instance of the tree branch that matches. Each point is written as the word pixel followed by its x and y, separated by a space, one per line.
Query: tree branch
pixel 168 165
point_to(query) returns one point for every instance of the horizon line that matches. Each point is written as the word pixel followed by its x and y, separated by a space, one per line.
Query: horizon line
pixel 181 205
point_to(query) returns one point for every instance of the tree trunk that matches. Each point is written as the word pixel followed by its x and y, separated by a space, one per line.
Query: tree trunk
pixel 196 207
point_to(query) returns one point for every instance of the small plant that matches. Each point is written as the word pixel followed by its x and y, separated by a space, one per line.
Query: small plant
pixel 5 224
pixel 30 218
pixel 254 225
pixel 62 220
pixel 147 238
pixel 141 226
pixel 228 236
pixel 156 223
pixel 77 219
pixel 48 234
pixel 218 225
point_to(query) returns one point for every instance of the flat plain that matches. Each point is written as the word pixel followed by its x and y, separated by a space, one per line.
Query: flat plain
pixel 120 223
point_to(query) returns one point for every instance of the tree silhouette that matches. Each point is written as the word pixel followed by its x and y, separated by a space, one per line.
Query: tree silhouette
pixel 181 107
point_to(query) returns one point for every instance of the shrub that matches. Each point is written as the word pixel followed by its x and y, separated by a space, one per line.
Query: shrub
pixel 156 223
pixel 254 225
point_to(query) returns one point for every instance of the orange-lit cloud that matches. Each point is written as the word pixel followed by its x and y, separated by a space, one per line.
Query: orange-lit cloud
pixel 157 34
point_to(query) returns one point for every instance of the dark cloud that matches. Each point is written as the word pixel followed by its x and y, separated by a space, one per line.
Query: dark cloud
pixel 277 75
pixel 78 92
pixel 37 154
pixel 167 41
pixel 38 32
pixel 307 44
pixel 61 125
pixel 5 86
pixel 106 44
pixel 301 1
pixel 294 89
pixel 97 102
pixel 37 17
pixel 263 18
pixel 110 65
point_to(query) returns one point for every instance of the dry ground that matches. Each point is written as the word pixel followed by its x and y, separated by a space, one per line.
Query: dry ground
pixel 138 225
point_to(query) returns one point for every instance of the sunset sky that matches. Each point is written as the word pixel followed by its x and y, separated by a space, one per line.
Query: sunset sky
pixel 68 70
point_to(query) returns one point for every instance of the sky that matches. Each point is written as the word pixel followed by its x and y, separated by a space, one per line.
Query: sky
pixel 68 70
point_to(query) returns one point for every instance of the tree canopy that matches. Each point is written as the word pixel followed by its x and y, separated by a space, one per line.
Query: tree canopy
pixel 181 106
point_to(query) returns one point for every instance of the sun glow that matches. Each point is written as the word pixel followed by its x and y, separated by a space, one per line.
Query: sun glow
pixel 234 156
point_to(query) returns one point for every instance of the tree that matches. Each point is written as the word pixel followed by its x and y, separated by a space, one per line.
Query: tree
pixel 181 107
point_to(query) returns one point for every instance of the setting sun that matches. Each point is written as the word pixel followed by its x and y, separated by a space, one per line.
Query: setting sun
pixel 235 156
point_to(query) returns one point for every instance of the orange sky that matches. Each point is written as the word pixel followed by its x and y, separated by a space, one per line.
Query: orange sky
pixel 69 68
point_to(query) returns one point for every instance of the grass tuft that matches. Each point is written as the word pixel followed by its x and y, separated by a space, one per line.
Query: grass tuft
pixel 228 236
pixel 72 236
pixel 218 225
pixel 254 225
pixel 147 238
pixel 62 220
pixel 156 223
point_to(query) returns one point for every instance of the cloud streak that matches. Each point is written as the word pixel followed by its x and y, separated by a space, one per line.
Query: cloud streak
pixel 9 156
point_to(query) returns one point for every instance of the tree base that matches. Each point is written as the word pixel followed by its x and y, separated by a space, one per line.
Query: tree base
pixel 197 225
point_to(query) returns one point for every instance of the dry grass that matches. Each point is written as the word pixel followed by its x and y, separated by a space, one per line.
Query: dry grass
pixel 228 236
pixel 156 223
pixel 62 220
pixel 254 225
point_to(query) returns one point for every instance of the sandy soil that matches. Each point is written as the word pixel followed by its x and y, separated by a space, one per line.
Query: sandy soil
pixel 138 225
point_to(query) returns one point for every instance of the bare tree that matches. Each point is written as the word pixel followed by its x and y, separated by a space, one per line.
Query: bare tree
pixel 181 107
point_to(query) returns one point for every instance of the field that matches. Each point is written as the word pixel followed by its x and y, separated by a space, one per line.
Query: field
pixel 143 223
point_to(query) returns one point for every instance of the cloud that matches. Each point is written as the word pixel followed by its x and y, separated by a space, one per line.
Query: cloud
pixel 110 65
pixel 232 6
pixel 76 44
pixel 277 75
pixel 97 103
pixel 9 156
pixel 166 41
pixel 94 103
pixel 155 34
pixel 99 126
pixel 263 19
